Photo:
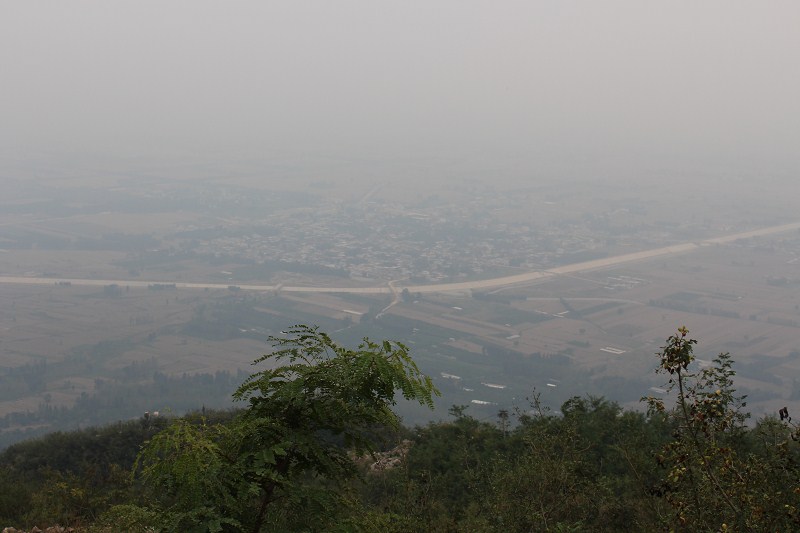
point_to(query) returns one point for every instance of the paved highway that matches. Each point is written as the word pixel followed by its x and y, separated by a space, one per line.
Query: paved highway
pixel 394 286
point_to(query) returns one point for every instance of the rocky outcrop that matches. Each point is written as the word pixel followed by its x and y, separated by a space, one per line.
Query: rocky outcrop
pixel 392 458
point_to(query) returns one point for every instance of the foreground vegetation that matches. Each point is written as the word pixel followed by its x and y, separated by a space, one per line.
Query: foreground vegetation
pixel 318 448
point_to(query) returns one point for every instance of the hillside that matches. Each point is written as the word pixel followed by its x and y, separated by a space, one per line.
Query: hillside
pixel 591 466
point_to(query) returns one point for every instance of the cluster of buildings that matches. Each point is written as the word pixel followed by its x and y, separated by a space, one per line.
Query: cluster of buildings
pixel 379 240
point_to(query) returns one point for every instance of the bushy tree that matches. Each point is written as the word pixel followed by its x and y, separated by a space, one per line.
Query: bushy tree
pixel 715 479
pixel 573 472
pixel 281 464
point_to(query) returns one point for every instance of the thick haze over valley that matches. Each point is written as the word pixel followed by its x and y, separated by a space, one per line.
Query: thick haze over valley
pixel 520 89
pixel 529 194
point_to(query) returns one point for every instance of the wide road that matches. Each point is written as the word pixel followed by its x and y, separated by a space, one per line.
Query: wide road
pixel 440 287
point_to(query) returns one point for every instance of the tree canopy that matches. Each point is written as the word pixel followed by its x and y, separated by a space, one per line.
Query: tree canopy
pixel 296 457
pixel 306 421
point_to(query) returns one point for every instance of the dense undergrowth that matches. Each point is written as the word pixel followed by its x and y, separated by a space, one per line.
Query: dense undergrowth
pixel 300 456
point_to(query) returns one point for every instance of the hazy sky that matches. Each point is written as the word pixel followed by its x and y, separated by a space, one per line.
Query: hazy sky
pixel 615 80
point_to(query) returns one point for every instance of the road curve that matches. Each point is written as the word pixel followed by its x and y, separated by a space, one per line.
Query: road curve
pixel 440 287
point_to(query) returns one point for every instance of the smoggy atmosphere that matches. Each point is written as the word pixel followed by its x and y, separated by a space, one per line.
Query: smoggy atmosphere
pixel 529 195
pixel 399 266
pixel 586 88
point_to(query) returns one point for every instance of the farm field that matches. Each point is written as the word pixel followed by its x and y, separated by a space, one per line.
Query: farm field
pixel 592 332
